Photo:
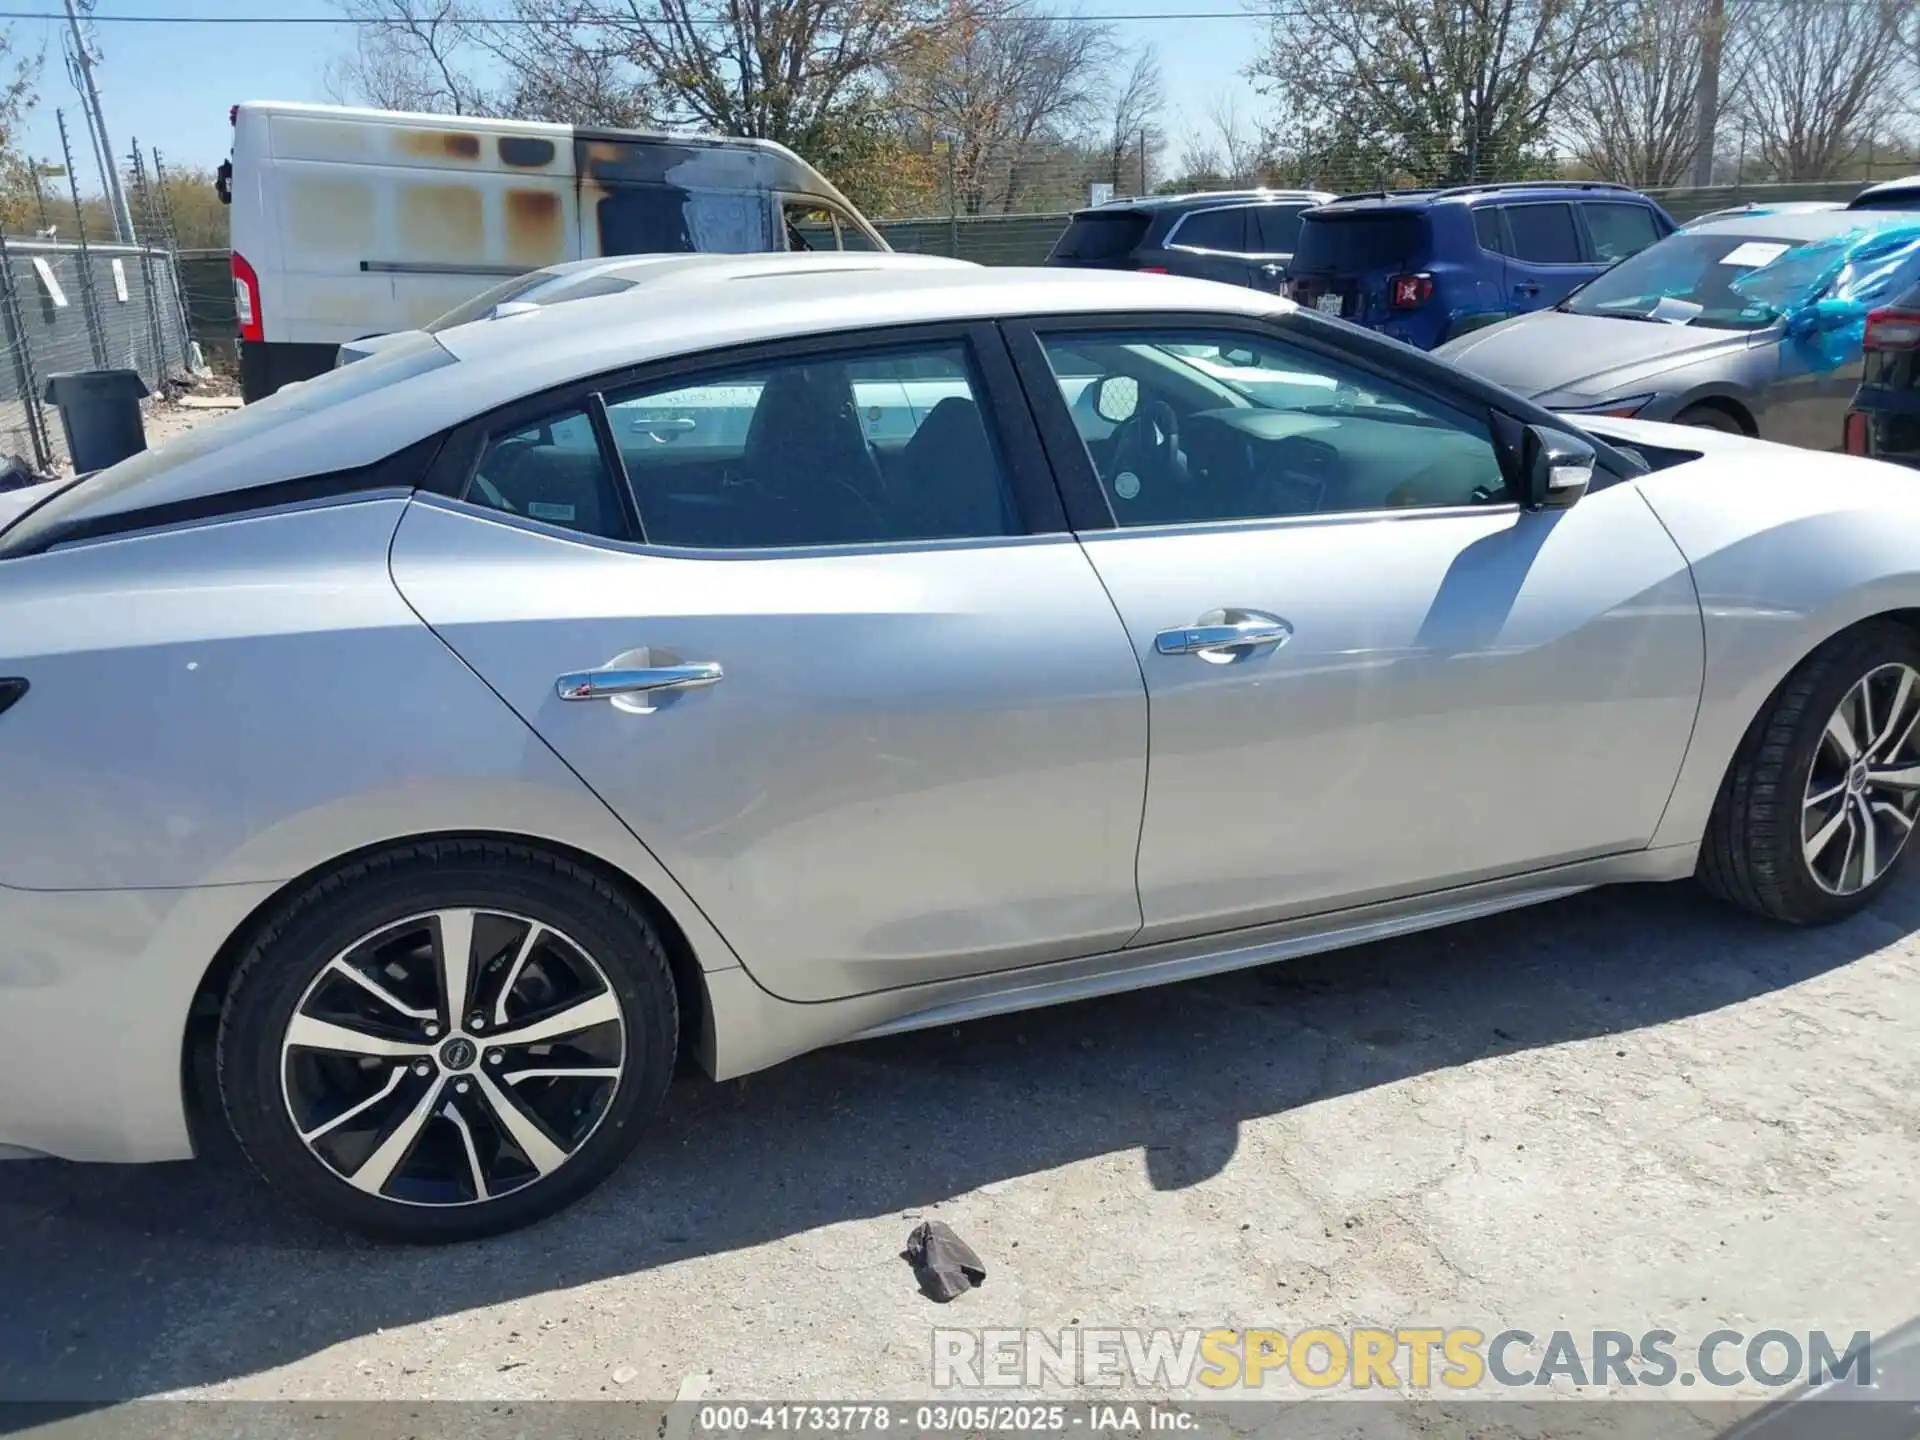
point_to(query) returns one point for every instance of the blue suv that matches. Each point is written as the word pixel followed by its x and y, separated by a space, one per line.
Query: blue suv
pixel 1426 265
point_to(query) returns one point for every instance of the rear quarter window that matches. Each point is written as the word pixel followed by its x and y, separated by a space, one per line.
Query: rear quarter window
pixel 1353 242
pixel 1111 236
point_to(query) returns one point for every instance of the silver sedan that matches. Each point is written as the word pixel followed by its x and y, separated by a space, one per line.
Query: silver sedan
pixel 448 745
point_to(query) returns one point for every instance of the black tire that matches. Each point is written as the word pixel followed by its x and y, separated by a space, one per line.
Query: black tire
pixel 1709 417
pixel 499 880
pixel 1752 854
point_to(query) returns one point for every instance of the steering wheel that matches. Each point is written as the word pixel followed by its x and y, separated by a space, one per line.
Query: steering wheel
pixel 1146 451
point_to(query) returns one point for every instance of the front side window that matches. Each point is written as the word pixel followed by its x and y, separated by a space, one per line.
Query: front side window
pixel 852 237
pixel 1185 428
pixel 1544 234
pixel 809 225
pixel 1617 230
pixel 1213 230
pixel 853 448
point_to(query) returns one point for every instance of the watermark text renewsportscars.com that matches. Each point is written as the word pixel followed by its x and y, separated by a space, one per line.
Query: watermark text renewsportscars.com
pixel 1419 1357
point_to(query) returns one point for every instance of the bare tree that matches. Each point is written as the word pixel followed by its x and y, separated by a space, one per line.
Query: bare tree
pixel 1633 114
pixel 1446 91
pixel 559 65
pixel 1003 86
pixel 784 70
pixel 1135 133
pixel 1241 146
pixel 1822 75
pixel 409 55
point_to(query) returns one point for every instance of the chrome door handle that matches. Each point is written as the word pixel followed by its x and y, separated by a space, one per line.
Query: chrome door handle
pixel 1252 633
pixel 604 684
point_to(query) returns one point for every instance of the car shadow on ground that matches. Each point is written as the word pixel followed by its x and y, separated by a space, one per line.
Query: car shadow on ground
pixel 99 1265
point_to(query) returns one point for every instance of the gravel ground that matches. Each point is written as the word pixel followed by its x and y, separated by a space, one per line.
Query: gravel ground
pixel 1630 1109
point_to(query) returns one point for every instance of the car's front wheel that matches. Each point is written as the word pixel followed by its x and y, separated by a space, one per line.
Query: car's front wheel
pixel 447 1040
pixel 1814 815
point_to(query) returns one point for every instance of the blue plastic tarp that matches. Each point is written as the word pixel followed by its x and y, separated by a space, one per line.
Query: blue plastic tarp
pixel 1823 289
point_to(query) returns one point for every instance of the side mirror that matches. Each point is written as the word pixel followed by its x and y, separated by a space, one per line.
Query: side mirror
pixel 1557 468
pixel 1115 398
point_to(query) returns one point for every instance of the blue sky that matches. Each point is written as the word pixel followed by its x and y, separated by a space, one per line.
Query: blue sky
pixel 170 85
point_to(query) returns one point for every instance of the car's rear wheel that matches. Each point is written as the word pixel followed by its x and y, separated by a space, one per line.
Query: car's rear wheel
pixel 1814 815
pixel 447 1040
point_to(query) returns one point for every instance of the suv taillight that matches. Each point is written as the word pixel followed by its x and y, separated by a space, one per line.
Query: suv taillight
pixel 1853 436
pixel 1892 329
pixel 246 299
pixel 1409 292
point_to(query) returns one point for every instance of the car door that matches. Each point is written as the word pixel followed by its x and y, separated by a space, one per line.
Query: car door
pixel 1370 673
pixel 1545 259
pixel 1214 244
pixel 831 653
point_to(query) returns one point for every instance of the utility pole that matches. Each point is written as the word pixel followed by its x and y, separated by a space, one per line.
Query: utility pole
pixel 1706 92
pixel 97 129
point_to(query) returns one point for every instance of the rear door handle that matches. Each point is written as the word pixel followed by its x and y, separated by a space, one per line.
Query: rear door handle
pixel 605 684
pixel 1224 638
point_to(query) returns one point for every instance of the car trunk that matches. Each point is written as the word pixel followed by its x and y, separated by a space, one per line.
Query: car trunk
pixel 1345 260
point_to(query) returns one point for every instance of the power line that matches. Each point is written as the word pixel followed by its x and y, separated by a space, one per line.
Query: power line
pixel 593 23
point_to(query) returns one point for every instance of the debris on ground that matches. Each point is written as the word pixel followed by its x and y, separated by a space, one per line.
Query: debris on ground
pixel 944 1264
pixel 16 473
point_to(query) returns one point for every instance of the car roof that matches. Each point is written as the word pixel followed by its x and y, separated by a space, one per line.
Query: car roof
pixel 1194 199
pixel 469 370
pixel 651 269
pixel 1801 225
pixel 1764 207
pixel 1890 187
pixel 1412 200
pixel 762 302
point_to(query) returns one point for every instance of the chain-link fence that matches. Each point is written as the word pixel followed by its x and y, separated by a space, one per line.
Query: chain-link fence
pixel 68 308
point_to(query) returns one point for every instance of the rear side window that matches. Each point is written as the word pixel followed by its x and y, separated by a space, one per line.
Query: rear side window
pixel 1213 230
pixel 1276 229
pixel 1109 235
pixel 1352 242
pixel 1618 231
pixel 1488 230
pixel 842 449
pixel 1544 234
pixel 551 470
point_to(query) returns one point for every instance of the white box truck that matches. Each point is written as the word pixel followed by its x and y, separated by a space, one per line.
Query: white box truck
pixel 349 223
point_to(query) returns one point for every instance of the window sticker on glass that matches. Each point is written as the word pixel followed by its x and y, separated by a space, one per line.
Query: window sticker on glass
pixel 1674 311
pixel 1754 253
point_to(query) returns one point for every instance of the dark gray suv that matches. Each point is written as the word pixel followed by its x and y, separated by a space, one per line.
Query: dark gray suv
pixel 1242 237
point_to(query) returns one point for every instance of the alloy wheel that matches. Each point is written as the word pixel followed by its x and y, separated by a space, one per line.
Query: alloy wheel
pixel 452 1057
pixel 1863 789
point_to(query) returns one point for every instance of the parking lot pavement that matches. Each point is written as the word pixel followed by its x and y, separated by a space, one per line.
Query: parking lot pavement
pixel 1630 1109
